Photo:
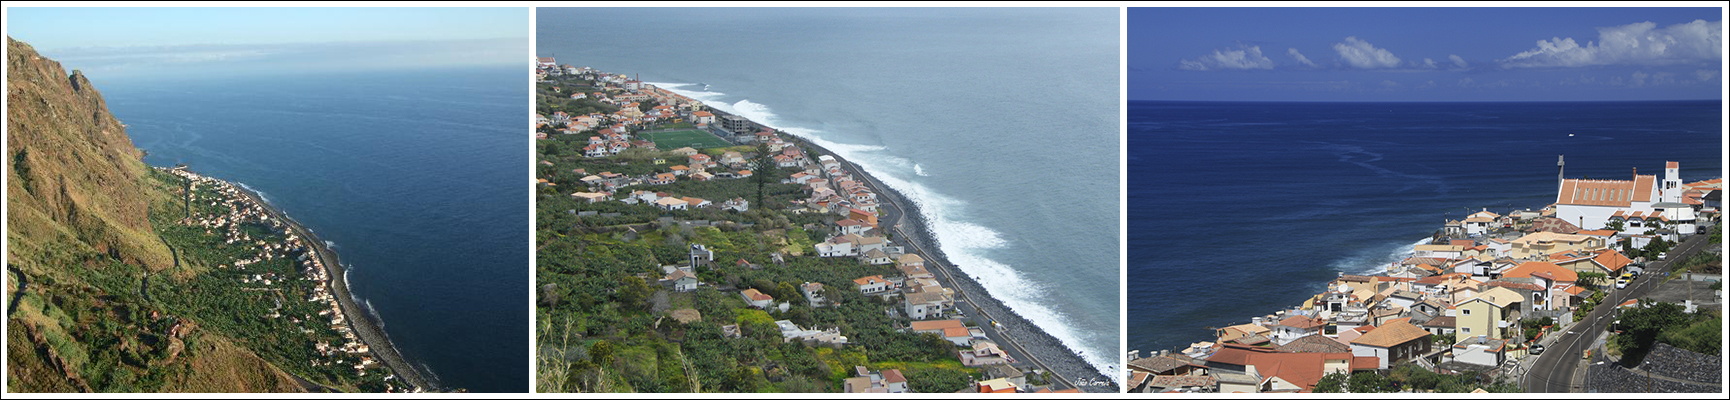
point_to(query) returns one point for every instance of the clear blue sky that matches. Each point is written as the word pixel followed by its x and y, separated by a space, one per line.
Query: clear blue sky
pixel 1425 54
pixel 150 41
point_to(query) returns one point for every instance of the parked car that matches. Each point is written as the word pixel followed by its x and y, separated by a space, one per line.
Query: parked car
pixel 1536 349
pixel 1622 283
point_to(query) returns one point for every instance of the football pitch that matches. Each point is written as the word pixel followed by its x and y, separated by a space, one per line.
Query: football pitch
pixel 696 139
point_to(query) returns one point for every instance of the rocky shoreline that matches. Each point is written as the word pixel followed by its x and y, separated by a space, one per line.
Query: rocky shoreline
pixel 1046 350
pixel 360 321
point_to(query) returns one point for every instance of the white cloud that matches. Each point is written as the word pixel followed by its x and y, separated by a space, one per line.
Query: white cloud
pixel 1458 62
pixel 1639 79
pixel 1390 84
pixel 1466 81
pixel 1705 75
pixel 1243 58
pixel 1299 57
pixel 1360 54
pixel 1633 44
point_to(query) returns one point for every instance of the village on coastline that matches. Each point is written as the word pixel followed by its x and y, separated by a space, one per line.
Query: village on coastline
pixel 238 213
pixel 1481 298
pixel 830 188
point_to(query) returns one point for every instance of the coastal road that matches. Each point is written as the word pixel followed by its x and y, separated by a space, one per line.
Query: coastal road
pixel 1558 369
pixel 895 216
pixel 358 319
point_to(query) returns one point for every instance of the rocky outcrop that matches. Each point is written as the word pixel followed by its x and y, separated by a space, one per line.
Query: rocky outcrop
pixel 75 181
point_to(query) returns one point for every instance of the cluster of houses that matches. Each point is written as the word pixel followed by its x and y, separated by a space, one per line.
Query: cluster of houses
pixel 618 90
pixel 242 210
pixel 831 189
pixel 1477 281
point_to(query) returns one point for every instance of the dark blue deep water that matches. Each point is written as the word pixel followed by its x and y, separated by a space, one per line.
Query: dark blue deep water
pixel 1240 209
pixel 416 176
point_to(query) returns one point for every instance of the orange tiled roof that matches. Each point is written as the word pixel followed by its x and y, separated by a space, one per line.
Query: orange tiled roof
pixel 1615 193
pixel 935 325
pixel 1391 334
pixel 1538 268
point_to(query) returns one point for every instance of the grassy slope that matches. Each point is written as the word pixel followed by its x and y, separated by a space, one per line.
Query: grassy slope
pixel 78 200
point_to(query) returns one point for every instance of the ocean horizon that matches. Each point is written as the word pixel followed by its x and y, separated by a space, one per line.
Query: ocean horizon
pixel 412 176
pixel 1317 189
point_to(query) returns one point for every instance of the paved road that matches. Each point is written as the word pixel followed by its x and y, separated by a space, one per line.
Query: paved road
pixel 358 320
pixel 1560 368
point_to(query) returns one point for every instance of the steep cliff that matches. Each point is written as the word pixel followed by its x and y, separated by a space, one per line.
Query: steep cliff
pixel 81 248
pixel 74 181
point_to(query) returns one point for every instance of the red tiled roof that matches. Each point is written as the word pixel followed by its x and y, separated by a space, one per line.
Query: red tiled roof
pixel 893 376
pixel 935 325
pixel 1616 193
pixel 1544 270
pixel 1371 362
pixel 1391 334
pixel 1301 322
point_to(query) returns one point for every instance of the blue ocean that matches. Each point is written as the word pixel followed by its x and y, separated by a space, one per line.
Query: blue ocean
pixel 1002 124
pixel 415 176
pixel 1240 209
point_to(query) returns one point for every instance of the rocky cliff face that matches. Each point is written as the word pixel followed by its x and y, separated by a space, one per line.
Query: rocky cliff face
pixel 80 246
pixel 74 180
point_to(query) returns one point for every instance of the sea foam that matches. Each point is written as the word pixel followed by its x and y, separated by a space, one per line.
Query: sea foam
pixel 964 243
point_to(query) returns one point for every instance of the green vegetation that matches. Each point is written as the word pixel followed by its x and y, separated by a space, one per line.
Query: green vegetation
pixel 207 287
pixel 111 293
pixel 1655 322
pixel 1407 376
pixel 606 322
pixel 1531 327
pixel 676 138
pixel 551 97
pixel 1704 262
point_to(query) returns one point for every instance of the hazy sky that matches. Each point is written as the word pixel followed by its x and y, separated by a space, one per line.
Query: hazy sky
pixel 159 41
pixel 1425 54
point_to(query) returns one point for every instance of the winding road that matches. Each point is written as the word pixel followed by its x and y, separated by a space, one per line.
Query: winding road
pixel 1560 369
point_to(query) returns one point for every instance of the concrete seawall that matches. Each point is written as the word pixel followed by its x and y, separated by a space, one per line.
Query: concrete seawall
pixel 358 319
pixel 1045 351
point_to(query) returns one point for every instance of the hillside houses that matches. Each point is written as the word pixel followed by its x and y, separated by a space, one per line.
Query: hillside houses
pixel 1477 286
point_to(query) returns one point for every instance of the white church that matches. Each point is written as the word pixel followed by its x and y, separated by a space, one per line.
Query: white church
pixel 1640 203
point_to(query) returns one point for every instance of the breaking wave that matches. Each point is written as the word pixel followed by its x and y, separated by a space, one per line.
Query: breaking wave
pixel 965 244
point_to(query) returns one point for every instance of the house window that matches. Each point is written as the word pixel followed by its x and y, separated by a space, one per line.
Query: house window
pixel 1465 312
pixel 1466 329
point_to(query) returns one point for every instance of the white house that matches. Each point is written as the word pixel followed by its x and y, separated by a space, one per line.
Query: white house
pixel 877 257
pixel 873 285
pixel 1482 222
pixel 813 292
pixel 1295 327
pixel 757 299
pixel 923 305
pixel 670 203
pixel 682 280
pixel 1481 350
pixel 837 247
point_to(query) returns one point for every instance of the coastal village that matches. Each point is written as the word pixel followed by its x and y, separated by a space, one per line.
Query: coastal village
pixel 237 220
pixel 829 191
pixel 1480 298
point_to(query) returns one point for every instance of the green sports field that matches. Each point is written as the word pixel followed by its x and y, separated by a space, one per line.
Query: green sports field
pixel 668 140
